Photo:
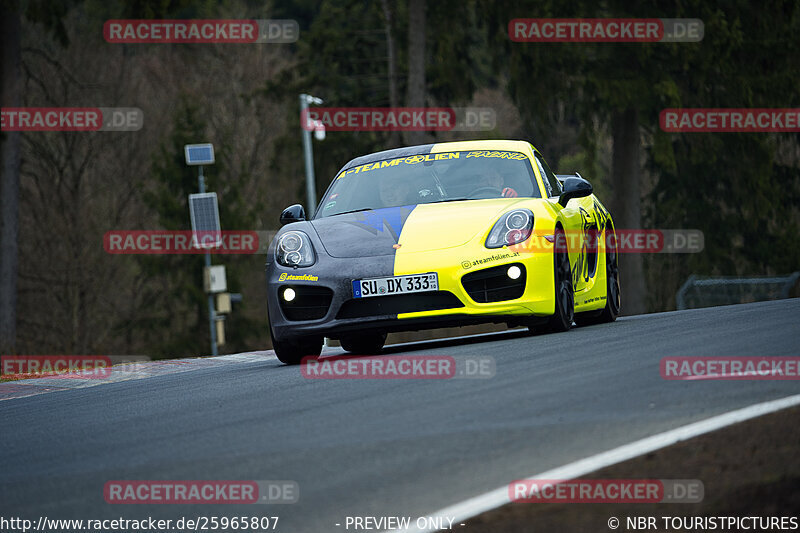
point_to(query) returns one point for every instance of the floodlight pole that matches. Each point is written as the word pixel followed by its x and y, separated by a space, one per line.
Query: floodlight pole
pixel 212 316
pixel 311 188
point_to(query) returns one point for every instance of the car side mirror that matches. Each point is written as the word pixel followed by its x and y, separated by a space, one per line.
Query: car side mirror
pixel 574 187
pixel 293 213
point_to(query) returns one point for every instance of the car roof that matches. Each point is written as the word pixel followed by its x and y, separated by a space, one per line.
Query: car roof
pixel 422 149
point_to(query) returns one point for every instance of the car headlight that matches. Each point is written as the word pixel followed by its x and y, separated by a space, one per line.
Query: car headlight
pixel 512 228
pixel 294 250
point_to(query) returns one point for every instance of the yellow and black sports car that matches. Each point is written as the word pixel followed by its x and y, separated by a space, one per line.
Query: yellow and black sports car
pixel 440 235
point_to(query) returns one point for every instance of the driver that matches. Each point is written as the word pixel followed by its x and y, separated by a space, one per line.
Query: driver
pixel 395 193
pixel 492 178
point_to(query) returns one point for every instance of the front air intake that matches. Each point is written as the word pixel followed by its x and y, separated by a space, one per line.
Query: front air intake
pixel 307 303
pixel 496 284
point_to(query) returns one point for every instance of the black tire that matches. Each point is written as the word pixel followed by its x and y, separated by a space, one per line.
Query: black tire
pixel 364 344
pixel 292 351
pixel 564 294
pixel 611 311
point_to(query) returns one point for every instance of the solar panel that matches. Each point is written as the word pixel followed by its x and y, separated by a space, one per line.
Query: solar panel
pixel 204 212
pixel 199 154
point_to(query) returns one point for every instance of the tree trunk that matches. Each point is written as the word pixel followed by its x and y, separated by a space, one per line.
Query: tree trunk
pixel 626 205
pixel 394 137
pixel 415 96
pixel 9 180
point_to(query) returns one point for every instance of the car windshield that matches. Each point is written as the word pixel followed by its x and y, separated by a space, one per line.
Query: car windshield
pixel 430 178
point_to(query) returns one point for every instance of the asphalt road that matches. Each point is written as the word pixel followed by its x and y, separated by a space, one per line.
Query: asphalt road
pixel 381 447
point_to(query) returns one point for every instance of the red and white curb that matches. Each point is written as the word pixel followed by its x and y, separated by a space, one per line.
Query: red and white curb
pixel 22 388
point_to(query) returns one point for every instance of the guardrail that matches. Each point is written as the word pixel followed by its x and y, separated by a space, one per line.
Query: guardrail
pixel 706 292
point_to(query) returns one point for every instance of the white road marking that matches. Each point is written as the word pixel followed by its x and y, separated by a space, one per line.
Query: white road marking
pixel 498 497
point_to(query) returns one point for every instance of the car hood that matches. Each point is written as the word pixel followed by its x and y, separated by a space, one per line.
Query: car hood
pixel 415 228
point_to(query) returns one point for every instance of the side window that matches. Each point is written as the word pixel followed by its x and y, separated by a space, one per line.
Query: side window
pixel 550 181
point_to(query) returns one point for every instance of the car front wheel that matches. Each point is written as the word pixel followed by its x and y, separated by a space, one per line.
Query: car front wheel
pixel 292 351
pixel 565 297
pixel 365 344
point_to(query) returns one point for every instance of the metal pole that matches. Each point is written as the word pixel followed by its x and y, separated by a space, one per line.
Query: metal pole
pixel 211 314
pixel 311 189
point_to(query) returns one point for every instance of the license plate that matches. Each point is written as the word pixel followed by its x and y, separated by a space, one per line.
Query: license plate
pixel 364 288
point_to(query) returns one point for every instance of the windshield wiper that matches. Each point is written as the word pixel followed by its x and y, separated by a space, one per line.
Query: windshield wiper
pixel 372 208
pixel 451 200
pixel 353 211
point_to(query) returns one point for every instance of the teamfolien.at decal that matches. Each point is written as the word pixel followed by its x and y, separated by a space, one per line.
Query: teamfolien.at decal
pixel 469 263
pixel 297 277
pixel 414 159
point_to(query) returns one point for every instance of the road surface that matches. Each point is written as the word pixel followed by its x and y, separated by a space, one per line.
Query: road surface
pixel 380 447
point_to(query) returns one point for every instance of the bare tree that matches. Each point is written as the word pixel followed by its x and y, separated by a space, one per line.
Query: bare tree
pixel 75 186
pixel 627 203
pixel 415 96
pixel 9 181
pixel 391 57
